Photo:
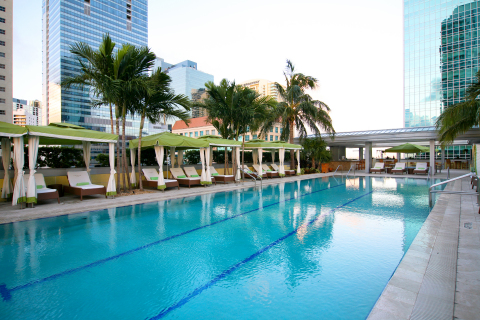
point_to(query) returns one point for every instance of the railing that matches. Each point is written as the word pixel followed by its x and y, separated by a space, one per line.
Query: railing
pixel 465 193
pixel 351 167
pixel 448 173
pixel 337 169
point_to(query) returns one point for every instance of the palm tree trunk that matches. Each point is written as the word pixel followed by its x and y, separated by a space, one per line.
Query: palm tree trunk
pixel 313 162
pixel 225 165
pixel 292 153
pixel 243 157
pixel 111 117
pixel 142 121
pixel 117 124
pixel 124 151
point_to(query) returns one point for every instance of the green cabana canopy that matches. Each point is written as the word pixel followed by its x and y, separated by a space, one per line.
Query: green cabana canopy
pixel 286 145
pixel 259 143
pixel 168 139
pixel 217 141
pixel 11 130
pixel 69 134
pixel 408 148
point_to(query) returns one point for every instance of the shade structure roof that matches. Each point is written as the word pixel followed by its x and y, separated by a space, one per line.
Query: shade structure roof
pixel 217 141
pixel 259 143
pixel 65 133
pixel 11 130
pixel 408 148
pixel 168 139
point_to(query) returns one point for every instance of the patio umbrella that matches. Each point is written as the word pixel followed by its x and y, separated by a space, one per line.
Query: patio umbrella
pixel 408 148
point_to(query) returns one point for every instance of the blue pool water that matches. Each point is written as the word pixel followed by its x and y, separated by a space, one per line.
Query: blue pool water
pixel 319 248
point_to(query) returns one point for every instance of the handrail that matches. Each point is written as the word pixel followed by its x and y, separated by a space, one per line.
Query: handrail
pixel 351 167
pixel 430 191
pixel 337 169
pixel 448 173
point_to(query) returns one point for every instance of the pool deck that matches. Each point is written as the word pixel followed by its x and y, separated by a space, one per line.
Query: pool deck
pixel 438 278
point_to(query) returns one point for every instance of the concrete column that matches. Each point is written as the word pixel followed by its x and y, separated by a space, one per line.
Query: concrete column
pixel 443 157
pixel 368 156
pixel 432 156
pixel 399 155
pixel 360 153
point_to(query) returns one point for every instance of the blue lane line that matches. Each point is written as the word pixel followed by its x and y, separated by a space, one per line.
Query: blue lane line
pixel 6 293
pixel 225 273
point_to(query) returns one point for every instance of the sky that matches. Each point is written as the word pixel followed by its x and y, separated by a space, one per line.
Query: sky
pixel 353 48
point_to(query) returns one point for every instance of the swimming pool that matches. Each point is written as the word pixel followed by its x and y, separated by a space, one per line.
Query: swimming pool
pixel 322 248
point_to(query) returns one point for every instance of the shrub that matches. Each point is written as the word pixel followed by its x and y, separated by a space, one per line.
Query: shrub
pixel 192 156
pixel 60 157
pixel 103 160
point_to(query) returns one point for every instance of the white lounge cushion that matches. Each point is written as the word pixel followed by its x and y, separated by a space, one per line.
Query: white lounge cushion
pixel 149 173
pixel 223 175
pixel 169 180
pixel 421 166
pixel 46 190
pixel 379 165
pixel 399 166
pixel 89 186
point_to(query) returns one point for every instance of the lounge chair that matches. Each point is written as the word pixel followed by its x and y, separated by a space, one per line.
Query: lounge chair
pixel 260 171
pixel 151 179
pixel 270 173
pixel 399 168
pixel 421 168
pixel 192 173
pixel 80 185
pixel 289 172
pixel 182 178
pixel 43 193
pixel 379 167
pixel 221 177
pixel 249 173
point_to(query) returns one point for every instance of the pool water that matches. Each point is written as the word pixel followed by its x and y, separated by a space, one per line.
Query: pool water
pixel 319 248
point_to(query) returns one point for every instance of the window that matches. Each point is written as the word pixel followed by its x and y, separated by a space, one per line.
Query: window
pixel 201 133
pixel 271 138
pixel 2 54
pixel 191 134
pixel 2 20
pixel 2 66
pixel 255 136
pixel 196 133
pixel 2 89
pixel 2 8
pixel 276 129
pixel 213 132
pixel 2 77
pixel 181 134
pixel 208 132
pixel 2 100
pixel 2 31
pixel 276 138
pixel 281 130
pixel 247 137
pixel 2 43
pixel 2 112
pixel 248 128
pixel 271 129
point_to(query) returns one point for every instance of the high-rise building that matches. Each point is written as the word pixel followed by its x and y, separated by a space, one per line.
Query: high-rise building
pixel 66 22
pixel 441 56
pixel 27 112
pixel 198 95
pixel 262 86
pixel 6 60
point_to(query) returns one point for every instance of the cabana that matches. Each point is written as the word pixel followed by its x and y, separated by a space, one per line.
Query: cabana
pixel 216 141
pixel 7 131
pixel 67 134
pixel 258 145
pixel 166 139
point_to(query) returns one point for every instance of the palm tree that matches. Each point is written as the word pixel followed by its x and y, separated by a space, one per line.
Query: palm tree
pixel 156 101
pixel 297 110
pixel 460 117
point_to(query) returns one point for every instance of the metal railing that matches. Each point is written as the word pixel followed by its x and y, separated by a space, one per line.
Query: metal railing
pixel 465 193
pixel 351 167
pixel 448 173
pixel 337 169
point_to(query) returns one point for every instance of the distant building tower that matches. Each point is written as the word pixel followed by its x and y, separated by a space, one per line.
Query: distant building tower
pixel 6 60
pixel 199 95
pixel 262 86
pixel 27 112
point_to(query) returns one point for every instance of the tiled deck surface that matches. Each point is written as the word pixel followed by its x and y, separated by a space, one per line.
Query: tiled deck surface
pixel 438 278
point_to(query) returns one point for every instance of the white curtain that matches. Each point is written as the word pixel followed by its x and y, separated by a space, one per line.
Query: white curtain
pixel 281 156
pixel 237 152
pixel 273 155
pixel 87 146
pixel 7 184
pixel 203 178
pixel 19 189
pixel 172 157
pixel 259 154
pixel 298 162
pixel 133 176
pixel 111 187
pixel 255 156
pixel 207 161
pixel 180 158
pixel 33 142
pixel 159 155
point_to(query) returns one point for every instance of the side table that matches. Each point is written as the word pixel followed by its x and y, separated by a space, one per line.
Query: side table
pixel 57 186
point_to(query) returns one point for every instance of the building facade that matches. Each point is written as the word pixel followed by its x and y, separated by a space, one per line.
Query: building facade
pixel 28 112
pixel 262 86
pixel 198 95
pixel 441 56
pixel 6 60
pixel 66 22
pixel 197 127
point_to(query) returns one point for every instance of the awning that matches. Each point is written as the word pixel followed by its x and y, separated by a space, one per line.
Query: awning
pixel 69 134
pixel 168 139
pixel 11 130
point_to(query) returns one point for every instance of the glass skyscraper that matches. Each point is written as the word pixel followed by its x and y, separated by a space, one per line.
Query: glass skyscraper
pixel 441 56
pixel 66 22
